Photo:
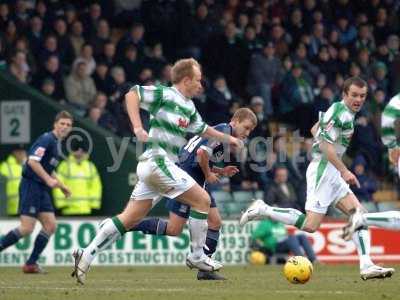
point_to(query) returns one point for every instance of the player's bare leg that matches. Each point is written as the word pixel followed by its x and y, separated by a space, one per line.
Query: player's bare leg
pixel 110 230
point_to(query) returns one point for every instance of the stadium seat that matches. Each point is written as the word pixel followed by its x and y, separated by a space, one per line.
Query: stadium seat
pixel 222 196
pixel 259 194
pixel 242 196
pixel 389 205
pixel 370 206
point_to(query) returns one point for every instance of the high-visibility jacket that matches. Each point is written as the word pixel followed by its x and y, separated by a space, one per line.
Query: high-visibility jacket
pixel 12 170
pixel 84 182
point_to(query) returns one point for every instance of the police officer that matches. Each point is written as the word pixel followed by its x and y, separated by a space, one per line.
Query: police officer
pixel 38 178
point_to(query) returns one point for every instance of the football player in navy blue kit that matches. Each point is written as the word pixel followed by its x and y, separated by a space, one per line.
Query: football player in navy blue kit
pixel 197 158
pixel 38 178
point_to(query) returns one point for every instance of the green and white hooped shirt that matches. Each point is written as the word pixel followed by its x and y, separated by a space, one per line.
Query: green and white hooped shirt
pixel 172 115
pixel 390 115
pixel 336 126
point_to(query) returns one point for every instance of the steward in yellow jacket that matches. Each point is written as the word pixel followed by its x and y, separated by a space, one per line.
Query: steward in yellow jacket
pixel 82 177
pixel 11 169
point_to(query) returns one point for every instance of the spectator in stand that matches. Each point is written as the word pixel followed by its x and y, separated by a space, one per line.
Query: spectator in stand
pixel 109 55
pixel 364 62
pixel 131 64
pixel 343 62
pixel 51 70
pixel 220 99
pixel 76 37
pixel 300 57
pixel 366 141
pixel 10 35
pixel 4 15
pixel 102 78
pixel 380 79
pixel 296 100
pixel 265 71
pixel 48 88
pixel 368 184
pixel 281 40
pixel 99 114
pixel 79 88
pixel 102 36
pixel 47 15
pixel 91 20
pixel 282 193
pixel 261 130
pixel 393 44
pixel 251 42
pixel 86 55
pixel 347 32
pixel 21 44
pixel 133 37
pixel 35 35
pixel 382 28
pixel 323 101
pixel 365 39
pixel 295 26
pixel 155 60
pixel 21 14
pixel 19 67
pixel 64 44
pixel 49 48
pixel 317 39
pixel 165 78
pixel 326 64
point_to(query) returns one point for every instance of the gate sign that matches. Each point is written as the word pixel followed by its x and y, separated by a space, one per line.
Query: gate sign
pixel 15 122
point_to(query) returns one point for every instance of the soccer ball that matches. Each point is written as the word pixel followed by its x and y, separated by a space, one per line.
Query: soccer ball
pixel 258 258
pixel 298 269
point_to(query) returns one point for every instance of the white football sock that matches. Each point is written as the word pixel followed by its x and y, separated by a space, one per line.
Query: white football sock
pixel 110 231
pixel 385 219
pixel 198 232
pixel 362 239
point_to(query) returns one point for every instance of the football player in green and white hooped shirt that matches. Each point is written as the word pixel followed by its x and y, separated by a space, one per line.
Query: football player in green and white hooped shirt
pixel 173 114
pixel 390 117
pixel 328 179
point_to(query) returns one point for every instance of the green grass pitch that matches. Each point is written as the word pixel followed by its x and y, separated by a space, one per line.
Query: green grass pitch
pixel 244 282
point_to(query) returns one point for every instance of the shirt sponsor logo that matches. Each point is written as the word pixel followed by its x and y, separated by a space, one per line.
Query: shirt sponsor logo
pixel 183 123
pixel 40 151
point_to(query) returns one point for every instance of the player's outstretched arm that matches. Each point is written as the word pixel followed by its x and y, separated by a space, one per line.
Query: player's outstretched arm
pixel 203 159
pixel 211 133
pixel 330 153
pixel 132 106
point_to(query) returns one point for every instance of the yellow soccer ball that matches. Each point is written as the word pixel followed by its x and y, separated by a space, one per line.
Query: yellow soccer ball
pixel 298 269
pixel 258 258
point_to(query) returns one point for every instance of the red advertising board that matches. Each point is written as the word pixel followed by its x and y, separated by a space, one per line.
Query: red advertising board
pixel 330 247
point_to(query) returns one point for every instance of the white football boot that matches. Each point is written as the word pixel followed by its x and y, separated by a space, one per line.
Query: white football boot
pixel 252 212
pixel 355 222
pixel 203 263
pixel 375 271
pixel 81 267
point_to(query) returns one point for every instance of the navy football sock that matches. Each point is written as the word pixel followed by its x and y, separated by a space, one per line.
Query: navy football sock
pixel 40 243
pixel 211 242
pixel 155 226
pixel 10 239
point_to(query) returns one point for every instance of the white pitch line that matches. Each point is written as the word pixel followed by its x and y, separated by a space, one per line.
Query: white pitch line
pixel 120 289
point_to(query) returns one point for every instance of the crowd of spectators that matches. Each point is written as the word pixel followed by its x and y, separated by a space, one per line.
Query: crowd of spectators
pixel 287 60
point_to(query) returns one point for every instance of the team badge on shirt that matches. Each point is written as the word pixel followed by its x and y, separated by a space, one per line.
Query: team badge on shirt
pixel 40 151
